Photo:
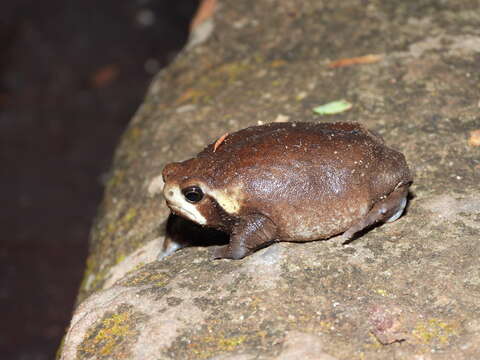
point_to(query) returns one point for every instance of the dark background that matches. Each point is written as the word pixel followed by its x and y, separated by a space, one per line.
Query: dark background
pixel 72 73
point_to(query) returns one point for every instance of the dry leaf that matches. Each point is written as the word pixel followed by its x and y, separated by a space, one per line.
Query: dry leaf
pixel 474 139
pixel 104 76
pixel 367 59
pixel 332 108
pixel 189 94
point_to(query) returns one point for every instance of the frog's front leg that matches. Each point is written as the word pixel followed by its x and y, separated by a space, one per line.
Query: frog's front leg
pixel 249 234
pixel 387 210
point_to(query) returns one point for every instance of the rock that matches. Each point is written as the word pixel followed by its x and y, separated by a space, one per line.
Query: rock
pixel 409 290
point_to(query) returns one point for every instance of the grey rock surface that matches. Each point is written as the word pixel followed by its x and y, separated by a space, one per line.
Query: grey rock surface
pixel 406 290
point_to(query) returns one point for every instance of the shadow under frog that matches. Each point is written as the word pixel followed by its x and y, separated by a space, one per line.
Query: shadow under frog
pixel 287 182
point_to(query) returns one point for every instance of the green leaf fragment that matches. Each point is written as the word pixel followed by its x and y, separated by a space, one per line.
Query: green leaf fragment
pixel 334 107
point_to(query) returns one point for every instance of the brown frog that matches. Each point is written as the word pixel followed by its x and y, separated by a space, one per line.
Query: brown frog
pixel 289 182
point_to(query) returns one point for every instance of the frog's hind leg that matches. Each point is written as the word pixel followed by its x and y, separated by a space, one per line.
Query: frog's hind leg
pixel 387 210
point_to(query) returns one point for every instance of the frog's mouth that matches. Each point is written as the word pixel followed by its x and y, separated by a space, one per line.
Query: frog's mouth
pixel 192 214
pixel 180 211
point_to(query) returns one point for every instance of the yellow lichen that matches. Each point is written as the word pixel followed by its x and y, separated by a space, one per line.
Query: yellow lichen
pixel 212 82
pixel 381 292
pixel 115 179
pixel 231 343
pixel 133 133
pixel 146 277
pixel 113 227
pixel 139 265
pixel 131 213
pixel 120 258
pixel 91 277
pixel 121 224
pixel 114 328
pixel 433 330
pixel 210 345
pixel 325 326
pixel 111 336
pixel 233 70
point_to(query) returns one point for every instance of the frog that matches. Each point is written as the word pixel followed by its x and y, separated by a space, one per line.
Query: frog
pixel 289 181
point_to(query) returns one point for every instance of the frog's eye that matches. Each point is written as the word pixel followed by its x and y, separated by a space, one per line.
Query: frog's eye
pixel 193 194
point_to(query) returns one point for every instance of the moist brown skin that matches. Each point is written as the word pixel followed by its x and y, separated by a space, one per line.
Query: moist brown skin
pixel 296 182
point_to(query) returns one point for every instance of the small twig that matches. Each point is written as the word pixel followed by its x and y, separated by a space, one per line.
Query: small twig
pixel 219 142
pixel 385 343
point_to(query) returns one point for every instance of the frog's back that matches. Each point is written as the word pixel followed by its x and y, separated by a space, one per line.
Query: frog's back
pixel 312 180
pixel 277 144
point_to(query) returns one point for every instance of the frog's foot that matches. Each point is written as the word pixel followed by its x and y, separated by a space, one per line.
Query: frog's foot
pixel 400 210
pixel 177 236
pixel 387 210
pixel 251 233
pixel 169 247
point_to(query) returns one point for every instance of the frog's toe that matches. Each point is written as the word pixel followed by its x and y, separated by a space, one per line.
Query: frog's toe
pixel 399 212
